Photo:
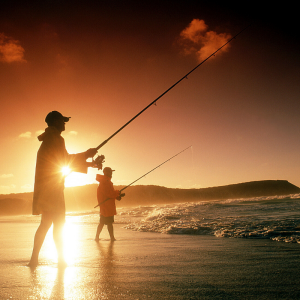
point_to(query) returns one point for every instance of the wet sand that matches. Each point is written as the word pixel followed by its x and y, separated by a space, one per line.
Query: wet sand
pixel 147 266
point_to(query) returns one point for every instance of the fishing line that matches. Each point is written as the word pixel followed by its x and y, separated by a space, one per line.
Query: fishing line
pixel 145 174
pixel 184 77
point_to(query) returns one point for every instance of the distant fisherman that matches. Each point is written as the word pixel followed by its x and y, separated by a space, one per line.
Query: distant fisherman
pixel 48 196
pixel 106 196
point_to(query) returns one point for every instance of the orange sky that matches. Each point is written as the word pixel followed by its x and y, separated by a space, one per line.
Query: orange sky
pixel 103 63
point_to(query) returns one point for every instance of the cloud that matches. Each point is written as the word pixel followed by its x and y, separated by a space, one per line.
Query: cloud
pixel 197 186
pixel 26 135
pixel 195 39
pixel 6 176
pixel 73 132
pixel 7 187
pixel 10 50
pixel 27 187
pixel 194 31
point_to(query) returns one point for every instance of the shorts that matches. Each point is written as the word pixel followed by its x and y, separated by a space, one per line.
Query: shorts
pixel 106 220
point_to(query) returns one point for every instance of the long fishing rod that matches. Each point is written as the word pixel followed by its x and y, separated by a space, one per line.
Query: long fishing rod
pixel 144 175
pixel 154 101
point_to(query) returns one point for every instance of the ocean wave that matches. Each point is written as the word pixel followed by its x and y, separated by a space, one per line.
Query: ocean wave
pixel 275 218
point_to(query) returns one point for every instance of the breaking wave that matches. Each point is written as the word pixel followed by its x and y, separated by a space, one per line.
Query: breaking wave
pixel 276 218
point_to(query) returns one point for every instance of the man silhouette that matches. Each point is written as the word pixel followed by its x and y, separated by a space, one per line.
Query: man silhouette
pixel 48 196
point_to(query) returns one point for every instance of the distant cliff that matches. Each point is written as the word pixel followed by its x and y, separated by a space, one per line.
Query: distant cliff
pixel 84 197
pixel 138 195
pixel 14 206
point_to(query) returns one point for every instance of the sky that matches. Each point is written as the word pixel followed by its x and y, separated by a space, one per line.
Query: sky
pixel 102 62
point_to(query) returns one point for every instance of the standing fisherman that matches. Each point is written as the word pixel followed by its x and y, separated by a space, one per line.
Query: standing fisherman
pixel 48 196
pixel 106 195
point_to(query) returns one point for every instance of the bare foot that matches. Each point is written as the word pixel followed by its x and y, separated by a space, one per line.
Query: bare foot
pixel 97 239
pixel 62 263
pixel 112 239
pixel 33 264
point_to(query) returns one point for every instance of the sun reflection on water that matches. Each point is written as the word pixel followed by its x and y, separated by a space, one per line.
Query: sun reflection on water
pixel 51 281
pixel 91 267
pixel 71 240
pixel 71 235
pixel 42 281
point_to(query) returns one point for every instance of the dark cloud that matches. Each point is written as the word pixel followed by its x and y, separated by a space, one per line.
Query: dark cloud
pixel 197 40
pixel 10 50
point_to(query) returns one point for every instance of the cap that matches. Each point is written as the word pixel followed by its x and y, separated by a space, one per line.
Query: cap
pixel 55 115
pixel 107 170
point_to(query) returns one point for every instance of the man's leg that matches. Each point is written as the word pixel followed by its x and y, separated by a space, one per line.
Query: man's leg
pixel 110 229
pixel 58 225
pixel 99 229
pixel 46 222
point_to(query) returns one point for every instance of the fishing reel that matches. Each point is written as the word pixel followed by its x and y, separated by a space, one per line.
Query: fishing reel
pixel 98 161
pixel 120 197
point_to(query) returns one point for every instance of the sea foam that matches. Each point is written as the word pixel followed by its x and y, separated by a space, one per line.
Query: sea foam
pixel 276 218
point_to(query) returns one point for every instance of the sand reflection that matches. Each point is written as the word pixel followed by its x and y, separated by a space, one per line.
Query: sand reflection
pixel 106 259
pixel 42 280
pixel 92 270
pixel 105 283
pixel 58 290
pixel 51 283
pixel 71 235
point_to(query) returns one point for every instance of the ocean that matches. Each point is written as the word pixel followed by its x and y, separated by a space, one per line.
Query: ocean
pixel 269 217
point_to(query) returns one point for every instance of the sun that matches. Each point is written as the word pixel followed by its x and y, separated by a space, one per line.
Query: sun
pixel 66 171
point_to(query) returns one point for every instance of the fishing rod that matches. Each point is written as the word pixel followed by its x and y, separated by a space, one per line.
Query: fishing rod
pixel 154 101
pixel 122 195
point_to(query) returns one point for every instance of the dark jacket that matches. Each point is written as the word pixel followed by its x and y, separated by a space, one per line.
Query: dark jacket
pixel 52 156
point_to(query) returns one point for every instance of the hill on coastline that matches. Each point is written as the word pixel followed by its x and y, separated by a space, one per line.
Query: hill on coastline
pixel 84 197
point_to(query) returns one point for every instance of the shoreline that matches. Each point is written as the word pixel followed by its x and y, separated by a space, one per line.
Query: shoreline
pixel 143 265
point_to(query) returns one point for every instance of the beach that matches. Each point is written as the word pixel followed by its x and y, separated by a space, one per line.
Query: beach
pixel 145 265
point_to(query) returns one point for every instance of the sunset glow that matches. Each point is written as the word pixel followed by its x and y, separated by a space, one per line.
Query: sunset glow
pixel 101 64
pixel 193 105
pixel 76 179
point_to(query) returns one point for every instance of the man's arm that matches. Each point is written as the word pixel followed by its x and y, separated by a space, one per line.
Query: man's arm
pixel 78 163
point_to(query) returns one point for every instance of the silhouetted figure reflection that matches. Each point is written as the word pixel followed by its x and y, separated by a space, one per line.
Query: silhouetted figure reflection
pixel 58 290
pixel 107 275
pixel 48 196
pixel 41 280
pixel 107 257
